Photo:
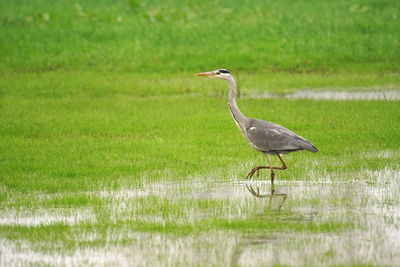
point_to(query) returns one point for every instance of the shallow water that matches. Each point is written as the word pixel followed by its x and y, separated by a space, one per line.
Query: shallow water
pixel 390 95
pixel 365 210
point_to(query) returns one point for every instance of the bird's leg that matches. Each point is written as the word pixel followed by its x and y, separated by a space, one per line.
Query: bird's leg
pixel 255 170
pixel 271 168
pixel 284 167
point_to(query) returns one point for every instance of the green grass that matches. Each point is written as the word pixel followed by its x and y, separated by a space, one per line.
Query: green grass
pixel 111 151
pixel 172 36
pixel 81 141
pixel 58 84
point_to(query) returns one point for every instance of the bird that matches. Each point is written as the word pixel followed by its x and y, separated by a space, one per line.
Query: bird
pixel 264 136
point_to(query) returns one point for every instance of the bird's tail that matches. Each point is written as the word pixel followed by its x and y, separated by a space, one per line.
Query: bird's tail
pixel 312 148
pixel 305 144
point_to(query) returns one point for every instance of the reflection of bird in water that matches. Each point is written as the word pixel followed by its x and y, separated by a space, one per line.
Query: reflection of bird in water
pixel 256 192
pixel 264 136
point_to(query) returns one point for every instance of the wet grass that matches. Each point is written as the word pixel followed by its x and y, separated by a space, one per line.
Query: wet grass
pixel 85 172
pixel 82 142
pixel 327 216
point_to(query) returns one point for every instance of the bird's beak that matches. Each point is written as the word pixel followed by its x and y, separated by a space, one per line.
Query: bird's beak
pixel 207 74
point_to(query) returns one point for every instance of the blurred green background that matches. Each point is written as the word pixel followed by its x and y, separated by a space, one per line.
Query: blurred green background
pixel 170 36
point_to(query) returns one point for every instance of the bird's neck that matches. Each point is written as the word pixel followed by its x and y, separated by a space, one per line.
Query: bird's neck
pixel 239 118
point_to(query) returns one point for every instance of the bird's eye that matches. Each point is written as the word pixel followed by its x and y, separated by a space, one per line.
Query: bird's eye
pixel 218 73
pixel 223 71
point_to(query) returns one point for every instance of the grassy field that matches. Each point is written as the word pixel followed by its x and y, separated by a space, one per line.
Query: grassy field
pixel 170 36
pixel 113 153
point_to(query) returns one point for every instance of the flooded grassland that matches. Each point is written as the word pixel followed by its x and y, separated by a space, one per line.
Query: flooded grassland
pixel 321 221
pixel 327 209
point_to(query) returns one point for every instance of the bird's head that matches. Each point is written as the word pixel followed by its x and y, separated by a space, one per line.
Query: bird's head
pixel 220 74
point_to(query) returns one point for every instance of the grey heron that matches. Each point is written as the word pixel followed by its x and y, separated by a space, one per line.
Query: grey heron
pixel 264 136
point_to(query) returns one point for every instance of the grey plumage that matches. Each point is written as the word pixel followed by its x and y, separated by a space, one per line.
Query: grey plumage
pixel 264 136
pixel 272 138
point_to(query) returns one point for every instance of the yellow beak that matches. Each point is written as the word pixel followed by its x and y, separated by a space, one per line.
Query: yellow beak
pixel 207 74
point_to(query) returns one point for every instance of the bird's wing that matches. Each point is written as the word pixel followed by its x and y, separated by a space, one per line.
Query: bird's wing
pixel 268 136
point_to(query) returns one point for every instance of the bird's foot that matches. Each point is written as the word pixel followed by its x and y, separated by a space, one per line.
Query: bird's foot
pixel 252 172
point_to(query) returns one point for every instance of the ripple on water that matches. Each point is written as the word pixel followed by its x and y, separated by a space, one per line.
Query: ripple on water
pixel 390 95
pixel 369 203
